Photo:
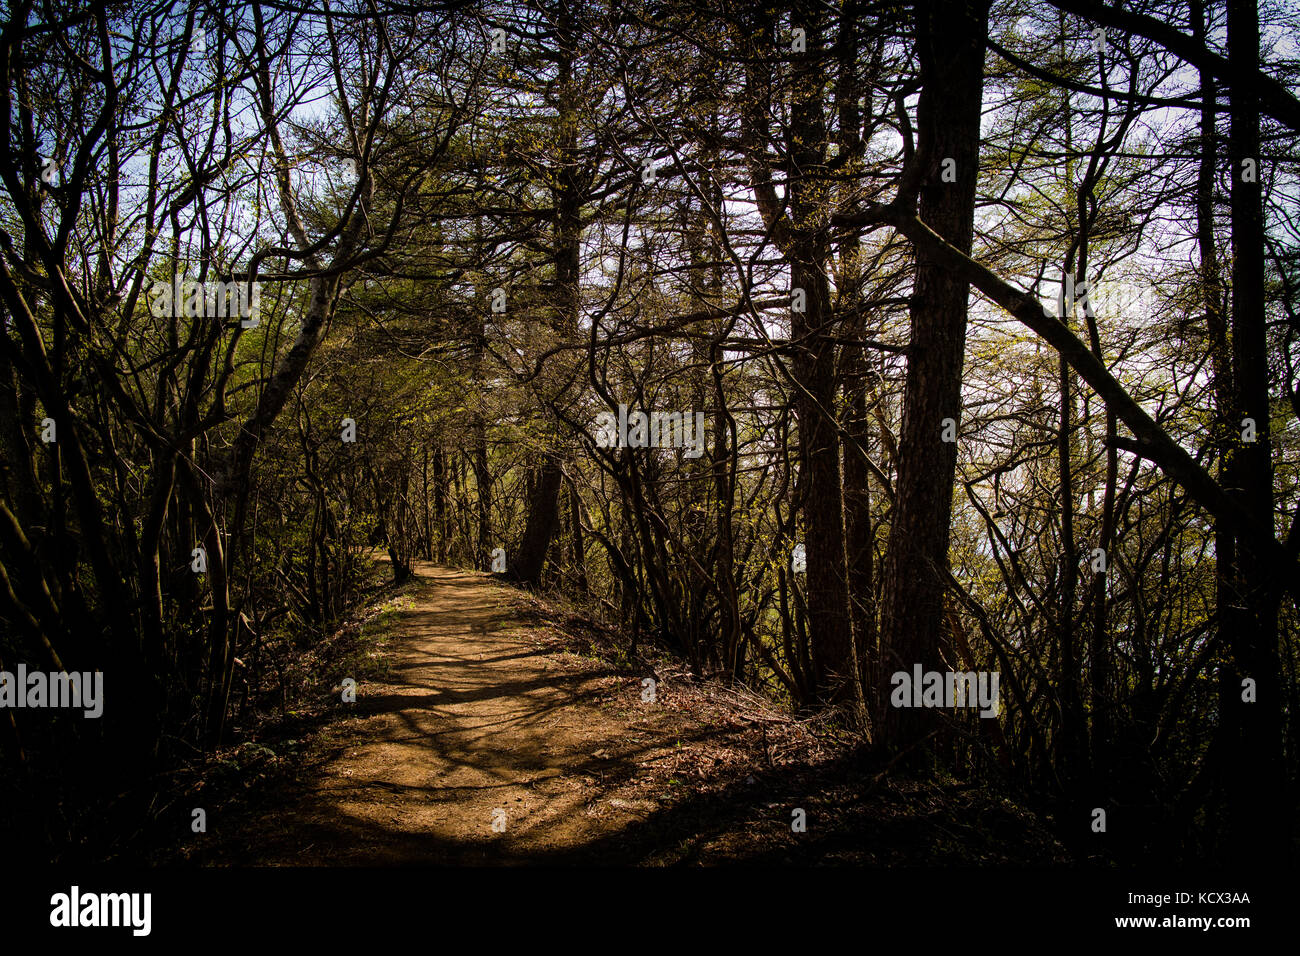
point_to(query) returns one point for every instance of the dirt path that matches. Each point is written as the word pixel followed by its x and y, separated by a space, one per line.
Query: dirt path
pixel 477 724
pixel 487 715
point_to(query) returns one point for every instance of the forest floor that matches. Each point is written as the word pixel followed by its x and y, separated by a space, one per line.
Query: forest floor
pixel 500 728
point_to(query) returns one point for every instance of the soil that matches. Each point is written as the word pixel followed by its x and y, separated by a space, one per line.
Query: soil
pixel 502 732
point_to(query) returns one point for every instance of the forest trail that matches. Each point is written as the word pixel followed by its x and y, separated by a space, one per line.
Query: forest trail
pixel 491 702
pixel 474 719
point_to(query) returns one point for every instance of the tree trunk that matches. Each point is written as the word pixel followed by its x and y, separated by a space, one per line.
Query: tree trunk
pixel 526 565
pixel 813 364
pixel 440 502
pixel 567 224
pixel 950 46
pixel 1260 828
pixel 579 548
